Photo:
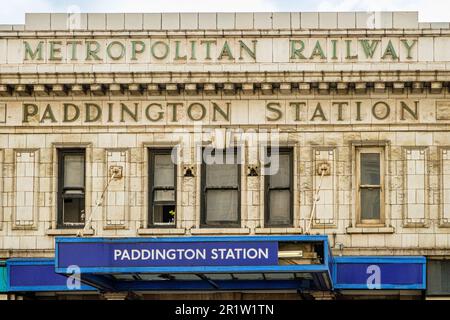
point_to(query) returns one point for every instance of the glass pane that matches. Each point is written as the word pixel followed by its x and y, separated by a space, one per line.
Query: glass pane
pixel 370 203
pixel 75 193
pixel 164 214
pixel 438 277
pixel 124 277
pixel 281 171
pixel 164 171
pixel 370 168
pixel 279 276
pixel 222 205
pixel 306 276
pixel 280 205
pixel 164 195
pixel 185 277
pixel 248 276
pixel 74 170
pixel 73 210
pixel 151 277
pixel 221 175
pixel 218 276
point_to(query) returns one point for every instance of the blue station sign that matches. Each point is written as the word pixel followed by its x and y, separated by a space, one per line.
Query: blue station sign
pixel 37 275
pixel 197 263
pixel 112 254
pixel 372 273
pixel 3 277
pixel 210 263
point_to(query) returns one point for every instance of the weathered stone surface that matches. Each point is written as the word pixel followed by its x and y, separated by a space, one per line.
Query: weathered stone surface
pixel 324 84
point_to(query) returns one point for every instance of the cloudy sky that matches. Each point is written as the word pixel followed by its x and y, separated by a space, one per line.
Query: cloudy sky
pixel 429 10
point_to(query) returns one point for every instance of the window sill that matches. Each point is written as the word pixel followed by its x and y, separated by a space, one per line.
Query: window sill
pixel 422 223
pixel 68 232
pixel 220 231
pixel 278 230
pixel 370 229
pixel 160 231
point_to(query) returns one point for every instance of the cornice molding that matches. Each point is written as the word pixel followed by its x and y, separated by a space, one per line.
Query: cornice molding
pixel 274 84
pixel 359 33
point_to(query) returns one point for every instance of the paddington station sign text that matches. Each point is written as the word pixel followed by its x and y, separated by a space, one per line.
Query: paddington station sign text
pixel 218 49
pixel 270 112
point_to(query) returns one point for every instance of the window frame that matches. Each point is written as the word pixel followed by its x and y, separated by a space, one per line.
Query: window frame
pixel 203 199
pixel 381 186
pixel 282 150
pixel 62 152
pixel 152 152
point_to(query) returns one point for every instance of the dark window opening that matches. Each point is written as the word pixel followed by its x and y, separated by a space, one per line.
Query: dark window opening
pixel 162 193
pixel 71 188
pixel 370 186
pixel 221 188
pixel 278 193
pixel 164 213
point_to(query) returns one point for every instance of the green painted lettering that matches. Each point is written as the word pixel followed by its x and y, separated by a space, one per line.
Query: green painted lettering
pixel 55 51
pixel 208 44
pixel 317 51
pixel 409 47
pixel 137 47
pixel 250 52
pixel 369 49
pixel 164 50
pixel 296 53
pixel 226 52
pixel 110 50
pixel 36 54
pixel 92 52
pixel 177 52
pixel 390 51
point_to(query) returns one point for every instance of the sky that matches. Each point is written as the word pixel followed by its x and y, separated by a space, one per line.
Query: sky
pixel 13 12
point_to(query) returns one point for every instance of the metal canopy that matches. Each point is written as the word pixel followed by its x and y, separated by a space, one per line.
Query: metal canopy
pixel 293 263
pixel 223 276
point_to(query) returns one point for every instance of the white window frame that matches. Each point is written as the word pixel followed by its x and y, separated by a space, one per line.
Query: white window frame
pixel 370 222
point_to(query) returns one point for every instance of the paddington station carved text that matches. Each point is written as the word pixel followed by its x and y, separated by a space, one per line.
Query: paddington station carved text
pixel 153 112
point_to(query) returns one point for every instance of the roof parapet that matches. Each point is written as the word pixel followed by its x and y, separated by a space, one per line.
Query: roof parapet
pixel 223 21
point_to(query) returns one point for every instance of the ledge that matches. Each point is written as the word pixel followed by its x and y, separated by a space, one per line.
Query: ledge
pixel 228 21
pixel 14 83
pixel 420 223
pixel 278 230
pixel 220 231
pixel 365 230
pixel 441 225
pixel 161 231
pixel 68 232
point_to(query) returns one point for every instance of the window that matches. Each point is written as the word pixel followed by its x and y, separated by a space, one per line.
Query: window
pixel 438 277
pixel 221 187
pixel 278 189
pixel 370 185
pixel 162 190
pixel 71 188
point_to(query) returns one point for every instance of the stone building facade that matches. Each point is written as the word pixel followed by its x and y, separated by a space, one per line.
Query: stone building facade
pixel 358 102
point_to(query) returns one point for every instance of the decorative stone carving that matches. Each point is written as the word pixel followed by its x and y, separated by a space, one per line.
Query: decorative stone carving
pixel 188 171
